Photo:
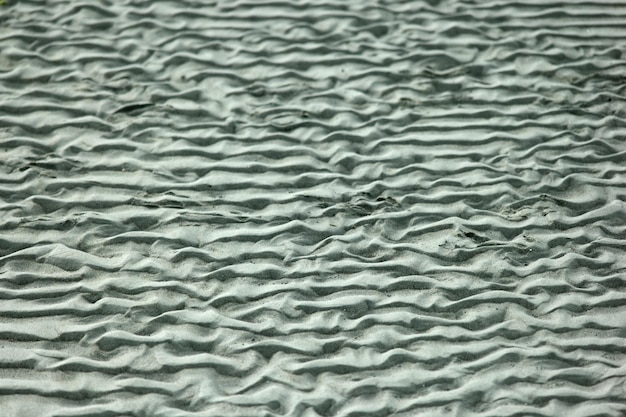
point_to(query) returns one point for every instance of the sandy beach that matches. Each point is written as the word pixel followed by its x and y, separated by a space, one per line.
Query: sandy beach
pixel 296 208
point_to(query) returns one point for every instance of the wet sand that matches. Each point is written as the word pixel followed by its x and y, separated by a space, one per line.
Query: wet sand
pixel 289 208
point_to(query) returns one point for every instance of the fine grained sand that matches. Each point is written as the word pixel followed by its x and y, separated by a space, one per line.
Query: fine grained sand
pixel 291 208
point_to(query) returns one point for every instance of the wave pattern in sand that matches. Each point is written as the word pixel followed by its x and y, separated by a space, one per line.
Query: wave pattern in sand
pixel 292 208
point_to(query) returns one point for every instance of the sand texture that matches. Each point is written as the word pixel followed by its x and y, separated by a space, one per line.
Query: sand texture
pixel 312 208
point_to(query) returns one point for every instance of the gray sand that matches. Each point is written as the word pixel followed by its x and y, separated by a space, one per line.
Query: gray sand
pixel 290 208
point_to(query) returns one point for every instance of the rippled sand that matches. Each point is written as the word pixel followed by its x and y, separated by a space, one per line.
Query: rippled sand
pixel 290 208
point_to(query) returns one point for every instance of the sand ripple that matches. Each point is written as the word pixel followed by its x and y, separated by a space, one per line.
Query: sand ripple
pixel 290 208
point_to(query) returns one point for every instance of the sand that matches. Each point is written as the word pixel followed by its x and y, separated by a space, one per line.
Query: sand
pixel 291 208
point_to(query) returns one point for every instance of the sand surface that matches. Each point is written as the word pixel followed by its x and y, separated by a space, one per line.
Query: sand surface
pixel 300 208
